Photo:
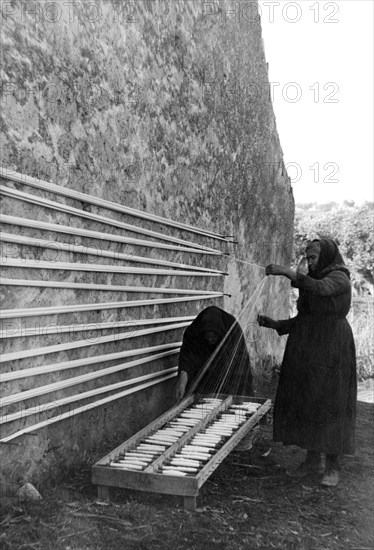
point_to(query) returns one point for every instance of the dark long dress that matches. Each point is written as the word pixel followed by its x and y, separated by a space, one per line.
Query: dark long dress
pixel 230 370
pixel 315 405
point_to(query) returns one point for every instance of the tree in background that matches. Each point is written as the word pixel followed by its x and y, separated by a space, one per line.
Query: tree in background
pixel 353 228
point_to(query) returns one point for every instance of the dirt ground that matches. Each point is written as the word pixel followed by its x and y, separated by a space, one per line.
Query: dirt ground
pixel 247 503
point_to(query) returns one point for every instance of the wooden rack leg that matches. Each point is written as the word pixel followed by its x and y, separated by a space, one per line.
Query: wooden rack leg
pixel 103 492
pixel 190 504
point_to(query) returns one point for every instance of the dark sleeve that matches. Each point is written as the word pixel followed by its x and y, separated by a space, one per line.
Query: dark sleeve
pixel 188 355
pixel 284 326
pixel 335 282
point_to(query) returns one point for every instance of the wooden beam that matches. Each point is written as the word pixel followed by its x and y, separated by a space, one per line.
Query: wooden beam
pixel 85 408
pixel 152 427
pixel 110 237
pixel 186 437
pixel 153 483
pixel 103 492
pixel 69 382
pixel 33 199
pixel 102 268
pixel 102 203
pixel 45 350
pixel 40 409
pixel 92 251
pixel 109 288
pixel 12 330
pixel 54 310
pixel 76 363
pixel 221 454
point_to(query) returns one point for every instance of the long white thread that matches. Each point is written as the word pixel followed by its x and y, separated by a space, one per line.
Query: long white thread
pixel 221 344
pixel 246 262
pixel 230 361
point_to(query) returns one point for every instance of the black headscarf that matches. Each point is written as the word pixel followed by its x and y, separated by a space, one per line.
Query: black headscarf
pixel 211 319
pixel 329 259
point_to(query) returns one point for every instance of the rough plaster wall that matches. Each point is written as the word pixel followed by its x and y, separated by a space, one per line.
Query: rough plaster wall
pixel 164 107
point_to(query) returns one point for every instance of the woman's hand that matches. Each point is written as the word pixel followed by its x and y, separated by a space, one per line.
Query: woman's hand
pixel 302 267
pixel 275 269
pixel 266 322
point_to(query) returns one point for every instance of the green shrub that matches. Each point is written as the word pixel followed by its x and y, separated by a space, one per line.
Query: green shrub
pixel 361 319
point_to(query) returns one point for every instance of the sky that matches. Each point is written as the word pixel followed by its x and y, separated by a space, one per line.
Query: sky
pixel 320 57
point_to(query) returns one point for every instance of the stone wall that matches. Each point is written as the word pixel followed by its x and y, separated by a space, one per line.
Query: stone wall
pixel 162 106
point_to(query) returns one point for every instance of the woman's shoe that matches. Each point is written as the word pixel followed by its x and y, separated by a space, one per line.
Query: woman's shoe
pixel 331 478
pixel 306 468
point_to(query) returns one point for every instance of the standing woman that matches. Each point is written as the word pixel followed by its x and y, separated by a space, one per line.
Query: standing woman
pixel 315 405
